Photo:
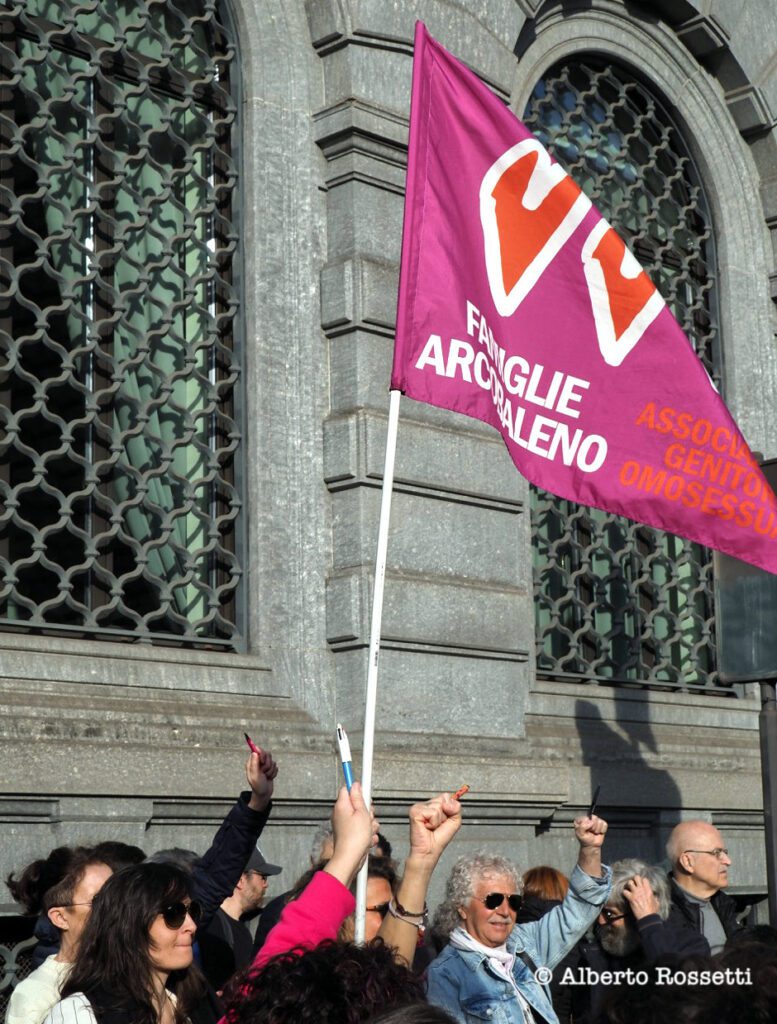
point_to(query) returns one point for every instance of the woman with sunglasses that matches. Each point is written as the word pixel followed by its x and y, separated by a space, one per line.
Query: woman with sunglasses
pixel 134 964
pixel 497 969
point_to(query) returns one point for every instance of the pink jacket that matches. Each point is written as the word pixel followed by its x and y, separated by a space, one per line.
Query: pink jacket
pixel 315 915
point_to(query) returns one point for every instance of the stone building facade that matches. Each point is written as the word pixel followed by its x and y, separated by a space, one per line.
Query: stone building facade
pixel 130 734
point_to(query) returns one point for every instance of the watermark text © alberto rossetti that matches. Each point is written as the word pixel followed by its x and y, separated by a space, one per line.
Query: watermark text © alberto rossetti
pixel 659 975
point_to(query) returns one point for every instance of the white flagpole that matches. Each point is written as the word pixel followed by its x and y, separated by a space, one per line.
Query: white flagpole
pixel 377 614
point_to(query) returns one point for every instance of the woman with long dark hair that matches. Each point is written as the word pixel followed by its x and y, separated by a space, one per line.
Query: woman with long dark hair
pixel 134 964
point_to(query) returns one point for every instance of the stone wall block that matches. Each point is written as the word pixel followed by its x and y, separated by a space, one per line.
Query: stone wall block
pixel 428 536
pixel 430 615
pixel 439 695
pixel 472 468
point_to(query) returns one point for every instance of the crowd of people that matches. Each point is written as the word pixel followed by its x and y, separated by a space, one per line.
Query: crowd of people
pixel 126 939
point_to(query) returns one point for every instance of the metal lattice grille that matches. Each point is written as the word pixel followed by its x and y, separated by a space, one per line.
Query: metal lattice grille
pixel 118 373
pixel 617 601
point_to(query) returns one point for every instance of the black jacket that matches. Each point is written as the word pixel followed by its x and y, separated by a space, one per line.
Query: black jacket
pixel 225 947
pixel 217 873
pixel 659 941
pixel 686 915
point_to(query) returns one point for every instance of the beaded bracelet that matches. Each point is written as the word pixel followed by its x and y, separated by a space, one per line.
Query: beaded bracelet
pixel 416 920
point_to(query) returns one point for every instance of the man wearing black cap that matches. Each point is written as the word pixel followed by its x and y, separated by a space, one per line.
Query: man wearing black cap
pixel 226 944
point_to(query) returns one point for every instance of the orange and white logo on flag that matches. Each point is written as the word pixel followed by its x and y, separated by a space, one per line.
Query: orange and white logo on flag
pixel 529 209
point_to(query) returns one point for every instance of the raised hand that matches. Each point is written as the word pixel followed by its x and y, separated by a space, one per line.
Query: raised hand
pixel 261 771
pixel 590 832
pixel 355 831
pixel 432 826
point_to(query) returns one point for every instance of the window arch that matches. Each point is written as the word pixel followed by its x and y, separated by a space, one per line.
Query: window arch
pixel 119 513
pixel 618 601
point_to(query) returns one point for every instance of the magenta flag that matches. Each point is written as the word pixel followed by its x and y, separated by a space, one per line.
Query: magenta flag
pixel 520 305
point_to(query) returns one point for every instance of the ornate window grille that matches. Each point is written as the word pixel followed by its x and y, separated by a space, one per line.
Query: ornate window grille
pixel 119 436
pixel 618 602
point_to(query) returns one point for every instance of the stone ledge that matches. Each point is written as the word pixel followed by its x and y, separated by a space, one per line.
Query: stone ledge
pixel 703 35
pixel 359 293
pixel 424 647
pixel 363 142
pixel 134 665
pixel 750 110
pixel 548 697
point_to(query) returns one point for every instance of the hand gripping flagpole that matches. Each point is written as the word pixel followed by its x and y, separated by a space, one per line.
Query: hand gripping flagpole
pixel 377 614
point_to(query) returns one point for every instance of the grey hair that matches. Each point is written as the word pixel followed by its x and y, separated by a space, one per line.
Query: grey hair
pixel 623 870
pixel 465 874
pixel 323 834
pixel 186 860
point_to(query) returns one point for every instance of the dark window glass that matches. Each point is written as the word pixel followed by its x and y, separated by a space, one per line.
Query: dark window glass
pixel 118 365
pixel 616 601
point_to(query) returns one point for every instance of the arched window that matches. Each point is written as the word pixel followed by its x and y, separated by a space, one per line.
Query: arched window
pixel 118 362
pixel 617 601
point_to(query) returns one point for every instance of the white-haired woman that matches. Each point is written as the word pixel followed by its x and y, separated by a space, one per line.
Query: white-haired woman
pixel 493 969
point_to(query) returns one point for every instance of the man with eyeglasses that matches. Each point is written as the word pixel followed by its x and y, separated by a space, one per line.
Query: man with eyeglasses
pixel 700 864
pixel 226 943
pixel 632 932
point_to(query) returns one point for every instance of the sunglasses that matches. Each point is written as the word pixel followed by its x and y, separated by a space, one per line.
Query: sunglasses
pixel 493 900
pixel 174 914
pixel 379 908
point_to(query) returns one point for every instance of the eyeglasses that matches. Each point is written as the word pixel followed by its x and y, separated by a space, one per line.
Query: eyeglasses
pixel 379 908
pixel 83 903
pixel 719 852
pixel 493 900
pixel 174 914
pixel 611 915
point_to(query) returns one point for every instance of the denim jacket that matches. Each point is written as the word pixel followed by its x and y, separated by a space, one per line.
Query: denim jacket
pixel 465 984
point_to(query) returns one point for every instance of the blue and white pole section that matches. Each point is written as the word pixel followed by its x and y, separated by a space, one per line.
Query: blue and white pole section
pixel 345 755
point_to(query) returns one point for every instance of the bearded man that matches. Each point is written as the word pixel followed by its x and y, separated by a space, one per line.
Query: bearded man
pixel 633 931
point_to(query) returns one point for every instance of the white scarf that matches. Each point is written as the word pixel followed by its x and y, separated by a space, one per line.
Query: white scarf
pixel 500 959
